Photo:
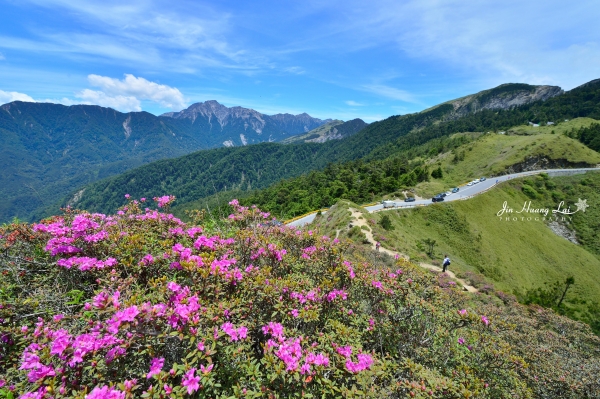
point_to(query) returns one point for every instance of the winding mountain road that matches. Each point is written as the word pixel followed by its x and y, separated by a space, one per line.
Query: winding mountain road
pixel 465 192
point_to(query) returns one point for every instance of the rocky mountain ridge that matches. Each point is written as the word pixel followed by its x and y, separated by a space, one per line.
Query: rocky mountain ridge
pixel 503 97
pixel 242 126
pixel 333 130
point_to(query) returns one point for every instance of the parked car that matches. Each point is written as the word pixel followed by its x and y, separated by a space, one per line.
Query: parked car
pixel 470 183
pixel 475 181
pixel 455 190
pixel 409 199
pixel 482 179
pixel 442 195
pixel 437 198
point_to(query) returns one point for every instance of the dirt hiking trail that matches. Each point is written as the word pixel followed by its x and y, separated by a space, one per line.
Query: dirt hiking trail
pixel 359 220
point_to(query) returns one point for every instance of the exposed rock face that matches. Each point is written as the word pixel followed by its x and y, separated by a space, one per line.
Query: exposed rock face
pixel 333 130
pixel 242 126
pixel 537 163
pixel 563 230
pixel 505 96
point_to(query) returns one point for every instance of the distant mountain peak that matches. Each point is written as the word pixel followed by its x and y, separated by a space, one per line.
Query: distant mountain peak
pixel 213 113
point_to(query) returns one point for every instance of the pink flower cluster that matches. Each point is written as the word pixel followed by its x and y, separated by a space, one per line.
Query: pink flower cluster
pixel 67 348
pixel 164 200
pixel 289 350
pixel 191 381
pixel 84 226
pixel 364 360
pixel 155 367
pixel 243 212
pixel 364 363
pixel 105 392
pixel 336 293
pixel 85 263
pixel 350 269
pixel 276 253
pixel 234 333
pixel 310 296
pixel 307 252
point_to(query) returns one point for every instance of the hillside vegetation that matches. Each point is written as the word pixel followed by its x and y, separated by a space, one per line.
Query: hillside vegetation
pixel 462 157
pixel 521 148
pixel 138 304
pixel 514 256
pixel 379 141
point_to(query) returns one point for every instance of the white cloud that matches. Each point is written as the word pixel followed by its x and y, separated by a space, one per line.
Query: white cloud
pixel 296 70
pixel 121 103
pixel 182 38
pixel 125 95
pixel 2 57
pixel 139 89
pixel 389 92
pixel 9 96
pixel 354 103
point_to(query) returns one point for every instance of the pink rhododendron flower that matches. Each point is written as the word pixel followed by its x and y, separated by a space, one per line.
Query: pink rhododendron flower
pixel 207 369
pixel 345 351
pixel 155 367
pixel 462 312
pixel 190 381
pixel 61 341
pixel 485 320
pixel 364 362
pixel 129 384
pixel 234 334
pixel 105 392
pixel 173 286
pixel 147 260
pixel 275 329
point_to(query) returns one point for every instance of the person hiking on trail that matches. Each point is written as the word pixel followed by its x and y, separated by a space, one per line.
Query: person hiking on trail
pixel 377 245
pixel 446 263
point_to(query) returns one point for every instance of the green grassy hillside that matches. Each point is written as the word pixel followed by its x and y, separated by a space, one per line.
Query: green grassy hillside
pixel 514 255
pixel 494 154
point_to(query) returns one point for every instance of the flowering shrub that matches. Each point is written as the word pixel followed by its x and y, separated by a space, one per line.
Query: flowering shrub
pixel 140 304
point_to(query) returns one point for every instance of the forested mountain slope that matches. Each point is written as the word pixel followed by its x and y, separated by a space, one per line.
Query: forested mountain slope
pixel 378 141
pixel 47 150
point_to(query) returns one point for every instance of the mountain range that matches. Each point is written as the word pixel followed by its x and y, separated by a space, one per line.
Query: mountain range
pixel 47 150
pixel 236 126
pixel 196 179
pixel 51 153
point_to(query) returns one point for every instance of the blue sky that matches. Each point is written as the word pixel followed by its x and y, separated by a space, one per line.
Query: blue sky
pixel 331 59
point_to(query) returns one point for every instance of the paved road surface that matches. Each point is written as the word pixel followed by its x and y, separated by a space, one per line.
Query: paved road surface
pixel 464 193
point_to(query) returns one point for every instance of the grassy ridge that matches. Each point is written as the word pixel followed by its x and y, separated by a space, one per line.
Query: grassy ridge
pixel 494 154
pixel 515 256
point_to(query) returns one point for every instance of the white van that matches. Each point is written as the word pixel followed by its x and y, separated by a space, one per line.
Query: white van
pixel 388 204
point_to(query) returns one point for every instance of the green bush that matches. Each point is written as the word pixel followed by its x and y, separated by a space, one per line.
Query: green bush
pixel 529 191
pixel 386 223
